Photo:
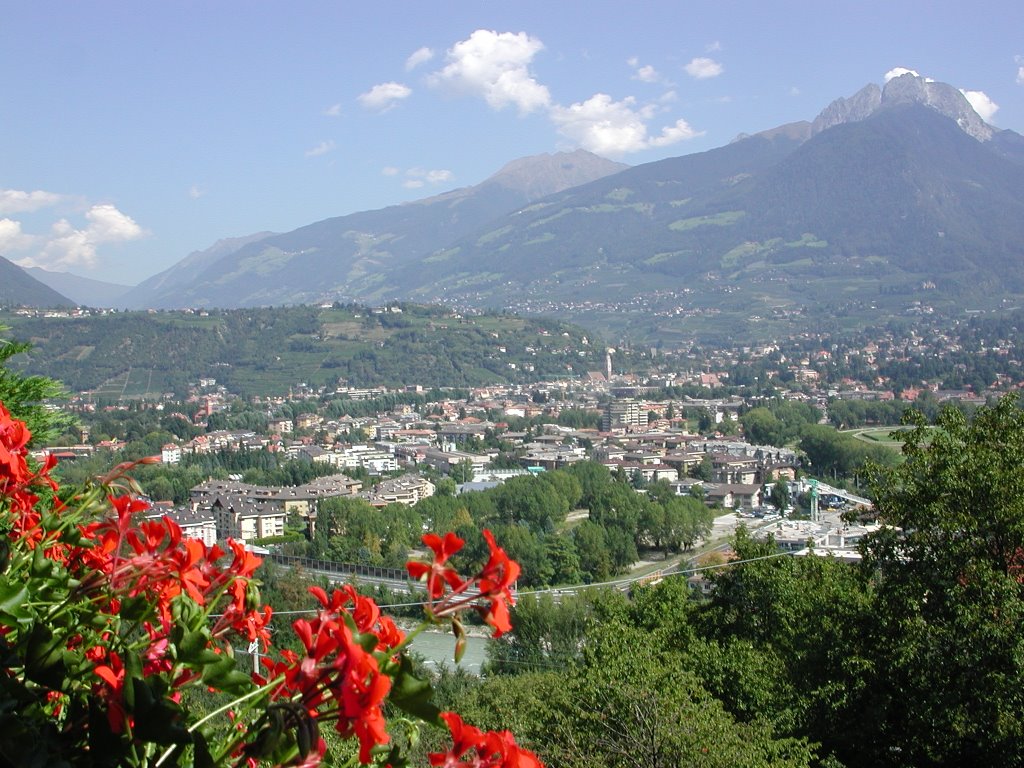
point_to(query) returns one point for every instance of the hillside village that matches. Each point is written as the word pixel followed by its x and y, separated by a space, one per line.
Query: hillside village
pixel 681 419
pixel 694 444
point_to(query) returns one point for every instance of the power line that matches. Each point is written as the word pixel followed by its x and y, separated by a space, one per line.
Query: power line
pixel 573 589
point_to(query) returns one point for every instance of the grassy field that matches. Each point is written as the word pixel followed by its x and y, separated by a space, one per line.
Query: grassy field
pixel 880 436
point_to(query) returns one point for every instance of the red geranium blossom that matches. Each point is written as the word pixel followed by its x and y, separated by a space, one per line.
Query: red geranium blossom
pixel 438 572
pixel 493 749
pixel 495 582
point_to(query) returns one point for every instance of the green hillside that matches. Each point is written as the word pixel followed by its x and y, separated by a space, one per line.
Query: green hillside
pixel 266 351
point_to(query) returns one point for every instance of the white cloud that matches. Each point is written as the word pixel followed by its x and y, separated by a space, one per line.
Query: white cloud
pixel 12 238
pixel 320 149
pixel 1020 70
pixel 384 96
pixel 645 74
pixel 609 127
pixel 896 72
pixel 195 191
pixel 701 68
pixel 714 46
pixel 417 177
pixel 430 176
pixel 673 134
pixel 794 91
pixel 68 246
pixel 17 201
pixel 982 104
pixel 495 66
pixel 389 170
pixel 417 57
pixel 333 111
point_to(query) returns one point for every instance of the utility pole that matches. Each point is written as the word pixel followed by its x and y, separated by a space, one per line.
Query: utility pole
pixel 254 651
pixel 815 517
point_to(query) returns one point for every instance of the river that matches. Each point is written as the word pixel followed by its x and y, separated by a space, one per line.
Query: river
pixel 439 647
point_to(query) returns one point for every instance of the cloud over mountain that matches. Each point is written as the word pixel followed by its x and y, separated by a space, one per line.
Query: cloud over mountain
pixel 69 246
pixel 610 127
pixel 495 66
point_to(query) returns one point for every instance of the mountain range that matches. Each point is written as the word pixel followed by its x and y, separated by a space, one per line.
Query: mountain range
pixel 353 255
pixel 895 189
pixel 18 287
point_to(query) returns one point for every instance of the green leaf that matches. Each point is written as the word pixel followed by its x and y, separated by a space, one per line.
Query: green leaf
pixel 44 661
pixel 157 719
pixel 223 676
pixel 12 600
pixel 202 757
pixel 135 609
pixel 412 694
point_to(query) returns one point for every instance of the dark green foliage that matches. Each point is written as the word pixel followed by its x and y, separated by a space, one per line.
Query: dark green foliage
pixel 949 673
pixel 24 396
pixel 838 455
pixel 267 351
pixel 353 531
pixel 779 423
pixel 779 496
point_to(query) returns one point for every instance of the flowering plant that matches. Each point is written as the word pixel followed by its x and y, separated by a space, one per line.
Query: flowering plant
pixel 111 629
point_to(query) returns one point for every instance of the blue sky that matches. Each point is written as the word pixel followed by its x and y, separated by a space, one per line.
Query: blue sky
pixel 134 133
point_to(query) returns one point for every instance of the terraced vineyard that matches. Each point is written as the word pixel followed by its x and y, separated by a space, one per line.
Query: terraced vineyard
pixel 266 351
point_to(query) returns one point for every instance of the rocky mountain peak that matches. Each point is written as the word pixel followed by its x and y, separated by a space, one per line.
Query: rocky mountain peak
pixel 912 89
pixel 859 106
pixel 540 175
pixel 908 88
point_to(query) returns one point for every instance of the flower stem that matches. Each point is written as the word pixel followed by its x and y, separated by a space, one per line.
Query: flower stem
pixel 220 710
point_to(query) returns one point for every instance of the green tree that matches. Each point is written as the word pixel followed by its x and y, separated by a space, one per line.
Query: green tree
pixel 840 455
pixel 531 501
pixel 950 668
pixel 780 494
pixel 594 480
pixel 762 427
pixel 25 395
pixel 594 553
pixel 637 704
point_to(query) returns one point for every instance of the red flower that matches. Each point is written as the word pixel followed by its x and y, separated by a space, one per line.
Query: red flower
pixel 438 573
pixel 14 436
pixel 494 749
pixel 111 690
pixel 16 479
pixel 336 671
pixel 495 582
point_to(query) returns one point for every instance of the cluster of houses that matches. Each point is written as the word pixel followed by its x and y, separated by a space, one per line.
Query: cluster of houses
pixel 221 509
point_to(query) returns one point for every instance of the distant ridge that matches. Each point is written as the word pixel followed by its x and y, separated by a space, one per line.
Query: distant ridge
pixel 896 186
pixel 351 255
pixel 20 289
pixel 188 269
pixel 83 291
